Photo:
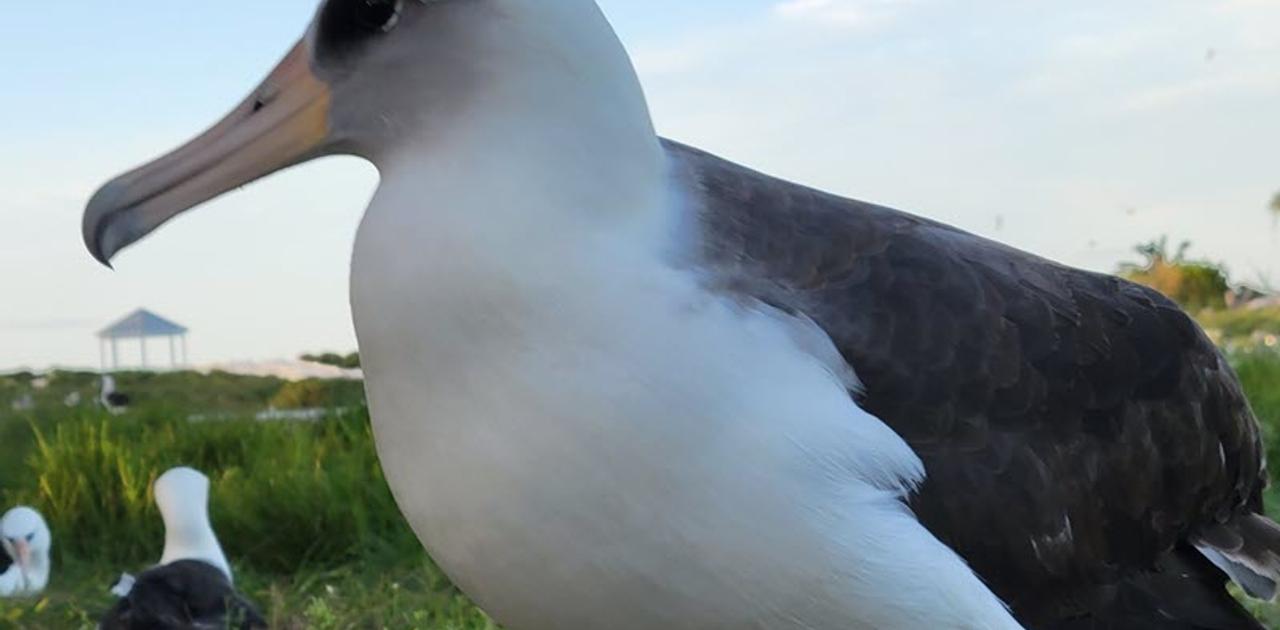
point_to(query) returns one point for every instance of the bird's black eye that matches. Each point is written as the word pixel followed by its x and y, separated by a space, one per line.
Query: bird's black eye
pixel 31 536
pixel 345 25
pixel 380 15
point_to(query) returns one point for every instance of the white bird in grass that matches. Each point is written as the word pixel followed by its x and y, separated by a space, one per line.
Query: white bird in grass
pixel 113 400
pixel 612 377
pixel 25 564
pixel 192 587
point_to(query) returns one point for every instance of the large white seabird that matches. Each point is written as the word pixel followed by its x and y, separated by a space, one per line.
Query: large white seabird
pixel 192 585
pixel 25 544
pixel 620 383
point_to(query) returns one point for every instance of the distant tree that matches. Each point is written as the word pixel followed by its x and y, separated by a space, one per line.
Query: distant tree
pixel 1275 204
pixel 347 362
pixel 1195 284
pixel 1154 253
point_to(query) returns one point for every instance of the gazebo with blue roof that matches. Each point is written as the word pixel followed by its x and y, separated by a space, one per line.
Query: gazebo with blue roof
pixel 142 325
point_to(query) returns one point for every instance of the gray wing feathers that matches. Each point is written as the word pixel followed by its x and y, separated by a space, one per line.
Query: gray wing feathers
pixel 1247 548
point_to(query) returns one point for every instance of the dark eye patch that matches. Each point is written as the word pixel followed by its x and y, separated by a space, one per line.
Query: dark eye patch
pixel 31 536
pixel 344 24
pixel 379 15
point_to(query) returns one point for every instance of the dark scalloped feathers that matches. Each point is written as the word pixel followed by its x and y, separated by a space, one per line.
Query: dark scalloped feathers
pixel 186 594
pixel 1076 428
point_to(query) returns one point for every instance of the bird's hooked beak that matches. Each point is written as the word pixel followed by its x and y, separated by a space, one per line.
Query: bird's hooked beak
pixel 22 554
pixel 284 122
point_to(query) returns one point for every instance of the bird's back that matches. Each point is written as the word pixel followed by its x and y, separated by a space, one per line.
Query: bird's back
pixel 187 594
pixel 1076 428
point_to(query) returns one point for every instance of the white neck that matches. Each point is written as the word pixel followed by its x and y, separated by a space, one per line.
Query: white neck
pixel 557 134
pixel 37 573
pixel 189 536
pixel 17 582
pixel 10 581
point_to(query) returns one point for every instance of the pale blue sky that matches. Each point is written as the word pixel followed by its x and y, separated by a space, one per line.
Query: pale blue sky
pixel 1079 127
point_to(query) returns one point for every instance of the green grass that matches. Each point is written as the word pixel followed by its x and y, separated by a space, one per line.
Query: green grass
pixel 302 508
pixel 280 491
pixel 379 593
pixel 1241 327
pixel 1259 372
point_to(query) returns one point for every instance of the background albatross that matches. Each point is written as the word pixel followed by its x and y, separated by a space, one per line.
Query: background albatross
pixel 25 543
pixel 192 585
pixel 619 383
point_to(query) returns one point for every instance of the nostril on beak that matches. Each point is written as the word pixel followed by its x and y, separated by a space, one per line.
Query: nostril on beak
pixel 264 97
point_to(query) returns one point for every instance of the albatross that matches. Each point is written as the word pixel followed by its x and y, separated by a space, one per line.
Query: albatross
pixel 111 399
pixel 618 382
pixel 192 587
pixel 25 543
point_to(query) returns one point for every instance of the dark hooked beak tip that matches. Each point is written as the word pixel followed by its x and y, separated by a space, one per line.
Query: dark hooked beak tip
pixel 105 226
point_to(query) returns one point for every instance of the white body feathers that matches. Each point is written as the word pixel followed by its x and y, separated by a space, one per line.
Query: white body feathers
pixel 182 494
pixel 582 435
